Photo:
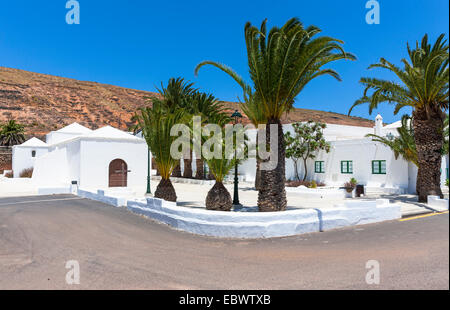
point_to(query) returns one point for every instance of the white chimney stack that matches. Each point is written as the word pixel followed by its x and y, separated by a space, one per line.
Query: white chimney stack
pixel 378 125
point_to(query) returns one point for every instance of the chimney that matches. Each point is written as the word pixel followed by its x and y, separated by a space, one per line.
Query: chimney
pixel 378 125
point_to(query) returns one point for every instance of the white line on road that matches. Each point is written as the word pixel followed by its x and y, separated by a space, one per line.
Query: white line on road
pixel 32 201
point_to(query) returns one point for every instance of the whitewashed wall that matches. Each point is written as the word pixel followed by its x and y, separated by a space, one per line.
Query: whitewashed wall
pixel 361 152
pixel 22 157
pixel 95 157
pixel 444 167
pixel 54 137
pixel 52 169
pixel 345 146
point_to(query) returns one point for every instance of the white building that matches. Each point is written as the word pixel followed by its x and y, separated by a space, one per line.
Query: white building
pixel 108 157
pixel 91 159
pixel 353 155
pixel 24 155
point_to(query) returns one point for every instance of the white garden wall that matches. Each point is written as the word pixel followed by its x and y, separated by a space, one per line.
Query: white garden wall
pixel 253 224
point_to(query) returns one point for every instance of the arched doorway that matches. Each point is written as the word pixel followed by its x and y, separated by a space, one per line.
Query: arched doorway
pixel 118 173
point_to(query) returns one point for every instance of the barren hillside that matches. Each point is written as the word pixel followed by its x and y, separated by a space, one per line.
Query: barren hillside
pixel 45 102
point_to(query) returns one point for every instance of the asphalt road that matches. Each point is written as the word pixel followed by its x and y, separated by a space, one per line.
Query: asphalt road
pixel 119 250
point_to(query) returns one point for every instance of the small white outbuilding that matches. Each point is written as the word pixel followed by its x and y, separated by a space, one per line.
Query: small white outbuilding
pixel 92 159
pixel 25 154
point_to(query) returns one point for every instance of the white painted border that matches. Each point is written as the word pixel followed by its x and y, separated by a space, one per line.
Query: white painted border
pixel 254 224
pixel 437 203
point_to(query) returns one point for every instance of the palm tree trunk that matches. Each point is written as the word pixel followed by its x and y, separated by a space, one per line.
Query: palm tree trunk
pixel 429 141
pixel 199 173
pixel 177 170
pixel 272 193
pixel 187 172
pixel 166 191
pixel 218 198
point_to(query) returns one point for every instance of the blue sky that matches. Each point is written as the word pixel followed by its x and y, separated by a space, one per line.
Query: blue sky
pixel 138 44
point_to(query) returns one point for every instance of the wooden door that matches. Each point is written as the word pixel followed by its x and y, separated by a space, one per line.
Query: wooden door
pixel 118 173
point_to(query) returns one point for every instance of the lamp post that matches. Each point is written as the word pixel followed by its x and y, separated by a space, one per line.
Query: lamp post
pixel 236 115
pixel 148 192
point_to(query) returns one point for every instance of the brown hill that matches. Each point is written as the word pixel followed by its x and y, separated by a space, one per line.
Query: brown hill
pixel 45 102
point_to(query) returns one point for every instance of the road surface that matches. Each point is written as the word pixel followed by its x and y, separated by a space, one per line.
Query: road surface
pixel 116 249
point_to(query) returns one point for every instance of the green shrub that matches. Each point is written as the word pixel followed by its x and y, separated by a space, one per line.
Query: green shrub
pixel 353 181
pixel 313 184
pixel 446 182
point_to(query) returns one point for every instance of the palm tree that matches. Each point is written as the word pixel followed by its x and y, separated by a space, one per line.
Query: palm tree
pixel 424 88
pixel 281 63
pixel 402 145
pixel 12 133
pixel 175 96
pixel 211 110
pixel 249 106
pixel 156 123
pixel 218 197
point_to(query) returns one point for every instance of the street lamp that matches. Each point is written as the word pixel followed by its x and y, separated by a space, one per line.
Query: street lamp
pixel 236 115
pixel 148 192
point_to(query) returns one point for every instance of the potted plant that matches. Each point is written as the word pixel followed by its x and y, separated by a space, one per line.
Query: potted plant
pixel 350 186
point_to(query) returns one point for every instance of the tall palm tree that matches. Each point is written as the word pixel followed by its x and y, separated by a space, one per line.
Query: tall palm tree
pixel 156 123
pixel 402 145
pixel 281 63
pixel 12 133
pixel 424 87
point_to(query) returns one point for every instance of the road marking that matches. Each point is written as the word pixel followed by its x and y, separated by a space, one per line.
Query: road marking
pixel 32 201
pixel 421 216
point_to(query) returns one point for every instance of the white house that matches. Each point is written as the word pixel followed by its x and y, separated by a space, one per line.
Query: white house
pixel 24 155
pixel 91 159
pixel 353 155
pixel 108 157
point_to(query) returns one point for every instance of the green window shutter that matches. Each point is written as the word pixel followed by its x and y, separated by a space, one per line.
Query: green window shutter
pixel 378 167
pixel 347 166
pixel 382 166
pixel 319 167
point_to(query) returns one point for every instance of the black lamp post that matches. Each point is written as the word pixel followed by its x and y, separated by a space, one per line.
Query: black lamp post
pixel 236 115
pixel 148 192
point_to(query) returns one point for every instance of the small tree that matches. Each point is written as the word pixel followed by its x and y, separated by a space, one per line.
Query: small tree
pixel 308 140
pixel 12 133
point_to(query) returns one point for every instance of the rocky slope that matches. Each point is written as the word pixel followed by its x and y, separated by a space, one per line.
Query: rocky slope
pixel 45 102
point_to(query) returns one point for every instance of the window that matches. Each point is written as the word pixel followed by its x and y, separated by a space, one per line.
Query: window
pixel 378 167
pixel 319 167
pixel 347 166
pixel 33 153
